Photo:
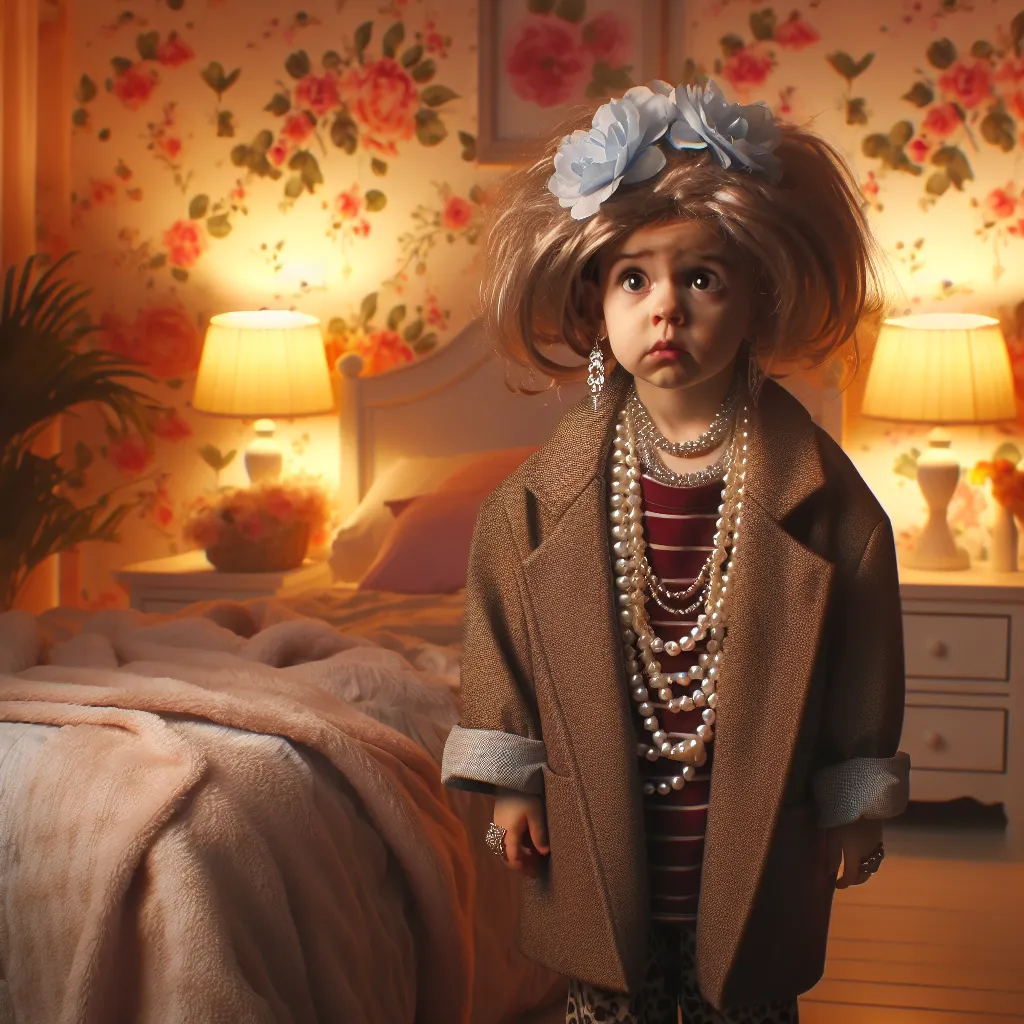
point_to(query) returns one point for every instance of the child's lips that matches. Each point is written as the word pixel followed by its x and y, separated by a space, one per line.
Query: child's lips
pixel 664 350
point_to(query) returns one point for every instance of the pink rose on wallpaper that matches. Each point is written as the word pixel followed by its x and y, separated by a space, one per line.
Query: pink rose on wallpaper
pixel 297 128
pixel 607 38
pixel 134 86
pixel 278 153
pixel 457 213
pixel 434 41
pixel 384 99
pixel 169 426
pixel 129 455
pixel 968 84
pixel 747 66
pixel 381 349
pixel 941 121
pixel 169 146
pixel 317 93
pixel 796 33
pixel 102 193
pixel 174 51
pixel 168 341
pixel 919 149
pixel 546 64
pixel 349 203
pixel 1001 203
pixel 185 242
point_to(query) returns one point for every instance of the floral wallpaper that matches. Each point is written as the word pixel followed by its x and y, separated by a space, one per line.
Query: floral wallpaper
pixel 239 153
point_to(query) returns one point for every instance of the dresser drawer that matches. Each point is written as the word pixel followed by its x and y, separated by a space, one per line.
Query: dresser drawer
pixel 956 646
pixel 955 739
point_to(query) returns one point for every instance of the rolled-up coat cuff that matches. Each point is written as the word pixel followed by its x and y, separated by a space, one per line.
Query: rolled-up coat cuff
pixel 861 787
pixel 488 759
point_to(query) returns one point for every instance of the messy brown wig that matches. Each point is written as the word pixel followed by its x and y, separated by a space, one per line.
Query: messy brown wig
pixel 817 271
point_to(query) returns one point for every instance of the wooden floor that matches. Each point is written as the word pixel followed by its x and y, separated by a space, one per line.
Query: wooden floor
pixel 937 937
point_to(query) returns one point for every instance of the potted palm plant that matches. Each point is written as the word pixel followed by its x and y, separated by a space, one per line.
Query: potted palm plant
pixel 46 371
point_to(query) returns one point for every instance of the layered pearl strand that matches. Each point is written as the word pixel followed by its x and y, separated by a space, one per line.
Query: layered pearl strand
pixel 634 576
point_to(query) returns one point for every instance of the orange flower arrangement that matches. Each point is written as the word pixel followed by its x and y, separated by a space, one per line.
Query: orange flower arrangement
pixel 265 527
pixel 1007 483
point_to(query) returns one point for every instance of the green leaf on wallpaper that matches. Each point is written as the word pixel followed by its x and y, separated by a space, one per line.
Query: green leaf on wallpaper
pixel 941 54
pixel 424 72
pixel 730 44
pixel 375 200
pixel 85 92
pixel 1009 451
pixel 999 129
pixel 80 118
pixel 843 63
pixel 413 331
pixel 540 6
pixel 573 11
pixel 438 95
pixel 147 44
pixel 395 317
pixel 476 195
pixel 393 39
pixel 762 24
pixel 900 134
pixel 920 94
pixel 937 183
pixel 1017 32
pixel 468 145
pixel 378 166
pixel 344 132
pixel 331 60
pixel 122 170
pixel 856 112
pixel 863 64
pixel 263 141
pixel 179 275
pixel 157 261
pixel 368 309
pixel 906 464
pixel 225 124
pixel 279 105
pixel 215 458
pixel 362 38
pixel 293 187
pixel 297 64
pixel 426 343
pixel 103 135
pixel 876 146
pixel 411 55
pixel 240 155
pixel 213 75
pixel 430 129
pixel 953 161
pixel 982 50
pixel 198 207
pixel 219 225
pixel 120 65
pixel 606 80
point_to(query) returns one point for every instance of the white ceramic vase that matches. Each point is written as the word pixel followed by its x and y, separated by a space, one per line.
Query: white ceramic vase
pixel 1003 538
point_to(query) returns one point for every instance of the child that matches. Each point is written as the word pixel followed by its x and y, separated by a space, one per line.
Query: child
pixel 682 663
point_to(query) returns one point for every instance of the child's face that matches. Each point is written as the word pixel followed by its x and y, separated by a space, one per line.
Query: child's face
pixel 676 283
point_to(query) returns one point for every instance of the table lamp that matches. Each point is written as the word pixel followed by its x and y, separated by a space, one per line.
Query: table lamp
pixel 259 364
pixel 942 369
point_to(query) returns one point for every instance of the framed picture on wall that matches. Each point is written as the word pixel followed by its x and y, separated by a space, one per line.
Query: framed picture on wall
pixel 542 59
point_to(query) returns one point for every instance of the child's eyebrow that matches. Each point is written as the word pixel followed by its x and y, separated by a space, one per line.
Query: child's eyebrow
pixel 713 256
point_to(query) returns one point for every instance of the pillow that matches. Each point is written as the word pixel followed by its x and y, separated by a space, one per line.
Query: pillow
pixel 427 550
pixel 485 473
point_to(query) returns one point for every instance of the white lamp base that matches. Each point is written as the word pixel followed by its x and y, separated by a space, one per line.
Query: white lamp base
pixel 264 458
pixel 938 473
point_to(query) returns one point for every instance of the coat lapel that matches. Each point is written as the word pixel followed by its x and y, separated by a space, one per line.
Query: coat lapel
pixel 779 601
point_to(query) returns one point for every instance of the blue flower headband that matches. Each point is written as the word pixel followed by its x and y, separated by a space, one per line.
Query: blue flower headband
pixel 621 147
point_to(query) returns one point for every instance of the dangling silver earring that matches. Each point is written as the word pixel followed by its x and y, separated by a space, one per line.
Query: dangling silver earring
pixel 595 376
pixel 755 375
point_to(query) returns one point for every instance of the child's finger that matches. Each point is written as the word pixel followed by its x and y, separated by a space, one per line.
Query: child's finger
pixel 538 829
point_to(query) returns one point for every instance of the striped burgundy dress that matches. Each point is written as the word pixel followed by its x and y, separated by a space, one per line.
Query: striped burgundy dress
pixel 679 525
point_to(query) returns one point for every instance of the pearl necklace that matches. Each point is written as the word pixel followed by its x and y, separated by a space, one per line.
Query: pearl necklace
pixel 632 572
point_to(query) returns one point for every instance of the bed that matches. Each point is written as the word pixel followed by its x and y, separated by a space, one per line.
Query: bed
pixel 235 812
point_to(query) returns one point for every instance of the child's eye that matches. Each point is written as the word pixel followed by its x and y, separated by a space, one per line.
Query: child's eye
pixel 633 281
pixel 704 280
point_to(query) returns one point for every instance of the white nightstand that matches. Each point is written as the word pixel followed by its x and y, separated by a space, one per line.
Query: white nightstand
pixel 170 584
pixel 964 724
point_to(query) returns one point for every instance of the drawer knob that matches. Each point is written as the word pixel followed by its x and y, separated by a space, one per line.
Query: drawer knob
pixel 934 740
pixel 938 649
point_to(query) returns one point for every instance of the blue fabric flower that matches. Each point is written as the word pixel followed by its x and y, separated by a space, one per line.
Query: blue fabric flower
pixel 735 134
pixel 619 148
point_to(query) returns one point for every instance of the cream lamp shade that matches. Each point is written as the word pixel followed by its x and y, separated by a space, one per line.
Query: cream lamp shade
pixel 940 368
pixel 263 363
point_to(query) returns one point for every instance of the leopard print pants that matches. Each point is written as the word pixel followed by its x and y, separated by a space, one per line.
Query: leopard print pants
pixel 671 984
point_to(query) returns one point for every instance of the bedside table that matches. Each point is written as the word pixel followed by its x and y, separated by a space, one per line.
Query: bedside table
pixel 170 584
pixel 964 723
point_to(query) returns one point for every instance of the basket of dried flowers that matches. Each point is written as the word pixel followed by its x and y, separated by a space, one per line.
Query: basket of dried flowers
pixel 265 528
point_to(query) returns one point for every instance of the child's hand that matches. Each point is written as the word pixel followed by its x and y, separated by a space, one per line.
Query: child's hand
pixel 526 834
pixel 858 839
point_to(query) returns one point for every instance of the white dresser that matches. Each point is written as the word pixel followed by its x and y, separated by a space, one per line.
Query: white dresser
pixel 964 724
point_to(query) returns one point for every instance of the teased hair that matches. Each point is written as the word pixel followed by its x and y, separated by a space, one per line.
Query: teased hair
pixel 817 271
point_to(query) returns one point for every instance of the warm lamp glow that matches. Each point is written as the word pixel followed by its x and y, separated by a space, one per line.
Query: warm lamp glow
pixel 268 362
pixel 941 368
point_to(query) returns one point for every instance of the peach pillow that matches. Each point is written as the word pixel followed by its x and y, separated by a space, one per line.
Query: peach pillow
pixel 427 550
pixel 484 474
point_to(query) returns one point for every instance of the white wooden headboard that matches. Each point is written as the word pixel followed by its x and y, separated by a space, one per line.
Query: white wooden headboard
pixel 451 401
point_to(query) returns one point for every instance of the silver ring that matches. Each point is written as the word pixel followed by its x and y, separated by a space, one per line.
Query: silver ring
pixel 495 840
